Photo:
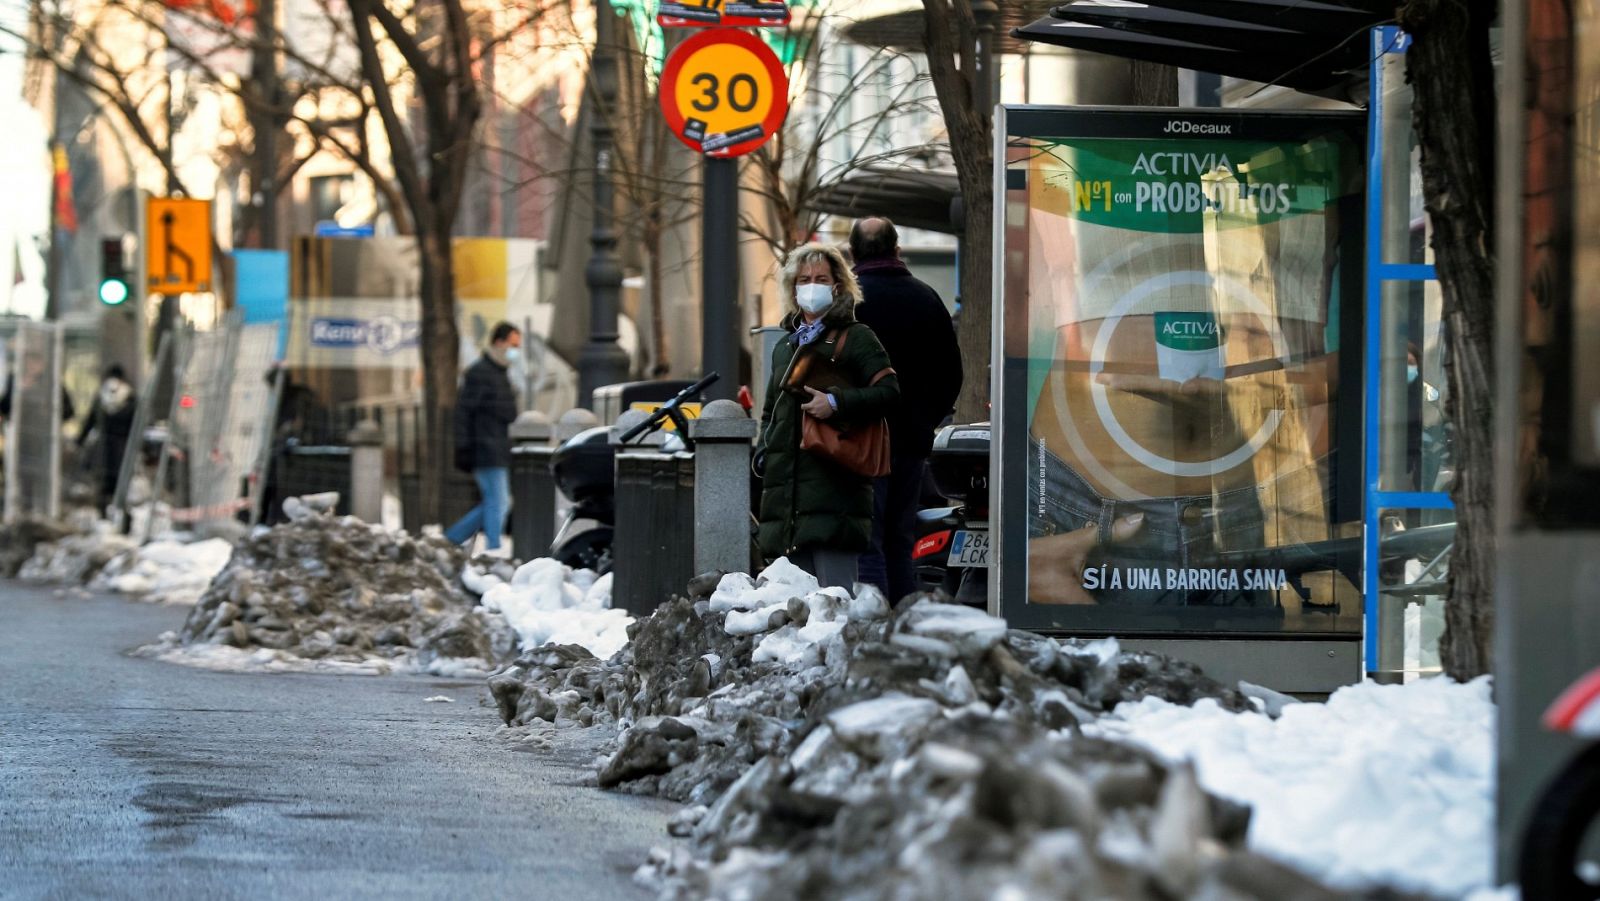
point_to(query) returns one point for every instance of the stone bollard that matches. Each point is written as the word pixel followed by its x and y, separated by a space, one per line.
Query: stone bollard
pixel 533 489
pixel 366 471
pixel 722 439
pixel 574 421
pixel 631 418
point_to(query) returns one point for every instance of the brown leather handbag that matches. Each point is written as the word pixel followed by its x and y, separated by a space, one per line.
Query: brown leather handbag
pixel 862 448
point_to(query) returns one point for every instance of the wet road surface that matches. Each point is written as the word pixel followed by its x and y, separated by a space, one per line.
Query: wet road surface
pixel 129 778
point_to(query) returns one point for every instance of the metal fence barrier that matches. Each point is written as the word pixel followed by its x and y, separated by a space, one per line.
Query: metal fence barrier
pixel 33 424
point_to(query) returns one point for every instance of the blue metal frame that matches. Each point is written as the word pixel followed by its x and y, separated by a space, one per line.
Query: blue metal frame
pixel 1386 40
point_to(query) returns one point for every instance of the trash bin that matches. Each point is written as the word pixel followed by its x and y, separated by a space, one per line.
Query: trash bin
pixel 653 547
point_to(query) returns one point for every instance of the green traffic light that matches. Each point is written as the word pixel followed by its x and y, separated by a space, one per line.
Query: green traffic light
pixel 113 292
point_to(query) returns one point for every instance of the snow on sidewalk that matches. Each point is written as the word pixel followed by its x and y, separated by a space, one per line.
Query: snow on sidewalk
pixel 166 571
pixel 547 602
pixel 1383 784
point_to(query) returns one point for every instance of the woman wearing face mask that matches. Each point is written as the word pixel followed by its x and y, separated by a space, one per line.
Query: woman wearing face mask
pixel 814 511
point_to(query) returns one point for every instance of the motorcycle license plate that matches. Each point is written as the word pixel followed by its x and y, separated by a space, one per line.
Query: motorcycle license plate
pixel 969 548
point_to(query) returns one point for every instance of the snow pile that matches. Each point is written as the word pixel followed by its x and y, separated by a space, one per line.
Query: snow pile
pixel 547 602
pixel 339 592
pixel 20 540
pixel 76 559
pixel 174 569
pixel 1382 784
pixel 168 571
pixel 830 747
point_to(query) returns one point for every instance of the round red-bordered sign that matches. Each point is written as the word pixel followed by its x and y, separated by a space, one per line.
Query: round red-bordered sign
pixel 723 92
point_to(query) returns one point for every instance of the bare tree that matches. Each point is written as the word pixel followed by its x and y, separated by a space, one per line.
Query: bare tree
pixel 951 39
pixel 826 141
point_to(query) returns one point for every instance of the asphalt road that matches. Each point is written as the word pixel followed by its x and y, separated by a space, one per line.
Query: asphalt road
pixel 129 778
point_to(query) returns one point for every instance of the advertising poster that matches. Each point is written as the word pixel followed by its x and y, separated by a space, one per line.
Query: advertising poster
pixel 1179 296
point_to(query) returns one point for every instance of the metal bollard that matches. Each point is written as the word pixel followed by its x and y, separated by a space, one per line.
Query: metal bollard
pixel 653 543
pixel 533 489
pixel 366 471
pixel 722 438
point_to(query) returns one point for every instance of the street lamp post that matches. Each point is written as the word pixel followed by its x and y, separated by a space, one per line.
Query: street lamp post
pixel 984 14
pixel 602 361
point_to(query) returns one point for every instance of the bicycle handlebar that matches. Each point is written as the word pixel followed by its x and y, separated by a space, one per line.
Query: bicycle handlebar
pixel 669 409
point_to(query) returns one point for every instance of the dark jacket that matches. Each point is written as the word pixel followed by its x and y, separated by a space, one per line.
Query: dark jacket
pixel 808 500
pixel 485 407
pixel 915 328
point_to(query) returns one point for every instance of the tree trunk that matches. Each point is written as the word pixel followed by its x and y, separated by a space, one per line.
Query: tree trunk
pixel 975 326
pixel 1153 84
pixel 440 364
pixel 951 37
pixel 1449 69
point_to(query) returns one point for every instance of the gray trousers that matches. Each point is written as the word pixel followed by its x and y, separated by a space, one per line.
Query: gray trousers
pixel 833 569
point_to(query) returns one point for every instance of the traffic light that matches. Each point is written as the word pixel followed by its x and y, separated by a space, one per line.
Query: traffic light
pixel 114 283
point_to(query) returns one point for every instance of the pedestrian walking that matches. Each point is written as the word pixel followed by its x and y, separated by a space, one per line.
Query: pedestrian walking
pixel 916 330
pixel 107 428
pixel 831 373
pixel 485 408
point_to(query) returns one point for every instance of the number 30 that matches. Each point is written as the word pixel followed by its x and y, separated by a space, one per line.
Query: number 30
pixel 739 84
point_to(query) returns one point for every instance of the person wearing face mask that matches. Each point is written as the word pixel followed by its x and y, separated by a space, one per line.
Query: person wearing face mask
pixel 916 330
pixel 485 408
pixel 831 367
pixel 109 424
pixel 1427 440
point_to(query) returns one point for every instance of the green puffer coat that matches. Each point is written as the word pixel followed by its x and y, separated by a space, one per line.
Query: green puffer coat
pixel 808 500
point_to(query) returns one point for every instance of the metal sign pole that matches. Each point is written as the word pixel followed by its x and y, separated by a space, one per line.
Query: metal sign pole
pixel 135 446
pixel 719 276
pixel 269 446
pixel 179 366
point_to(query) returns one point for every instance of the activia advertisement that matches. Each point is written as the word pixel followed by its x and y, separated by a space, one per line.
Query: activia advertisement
pixel 1176 292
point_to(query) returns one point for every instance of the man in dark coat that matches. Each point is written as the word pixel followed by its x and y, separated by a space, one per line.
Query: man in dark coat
pixel 915 328
pixel 110 423
pixel 485 407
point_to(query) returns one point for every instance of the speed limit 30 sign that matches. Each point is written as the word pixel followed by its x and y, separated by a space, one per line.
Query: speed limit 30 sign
pixel 724 92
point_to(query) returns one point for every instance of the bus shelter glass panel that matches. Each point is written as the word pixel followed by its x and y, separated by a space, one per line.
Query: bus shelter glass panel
pixel 1179 305
pixel 1414 444
pixel 1406 235
pixel 1413 570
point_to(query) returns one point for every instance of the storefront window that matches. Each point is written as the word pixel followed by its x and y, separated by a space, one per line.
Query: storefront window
pixel 1178 295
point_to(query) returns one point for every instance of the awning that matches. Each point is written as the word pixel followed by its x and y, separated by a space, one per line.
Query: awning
pixel 1316 47
pixel 914 198
pixel 901 24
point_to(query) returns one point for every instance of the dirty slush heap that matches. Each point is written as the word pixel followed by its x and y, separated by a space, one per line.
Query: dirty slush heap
pixel 923 752
pixel 335 588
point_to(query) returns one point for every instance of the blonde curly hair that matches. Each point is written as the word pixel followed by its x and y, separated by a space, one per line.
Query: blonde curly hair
pixel 846 292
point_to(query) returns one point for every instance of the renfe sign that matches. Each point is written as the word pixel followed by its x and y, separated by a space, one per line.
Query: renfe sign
pixel 381 334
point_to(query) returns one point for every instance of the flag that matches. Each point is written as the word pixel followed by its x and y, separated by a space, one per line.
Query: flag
pixel 66 213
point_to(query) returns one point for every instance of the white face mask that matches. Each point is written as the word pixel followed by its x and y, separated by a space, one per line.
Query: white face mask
pixel 813 298
pixel 513 354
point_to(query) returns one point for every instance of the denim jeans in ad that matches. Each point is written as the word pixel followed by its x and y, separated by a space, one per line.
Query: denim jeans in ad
pixel 1175 543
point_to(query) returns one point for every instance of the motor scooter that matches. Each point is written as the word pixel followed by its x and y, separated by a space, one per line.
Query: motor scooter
pixel 1558 857
pixel 952 548
pixel 584 468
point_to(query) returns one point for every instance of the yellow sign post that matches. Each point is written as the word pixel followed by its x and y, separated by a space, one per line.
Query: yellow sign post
pixel 177 245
